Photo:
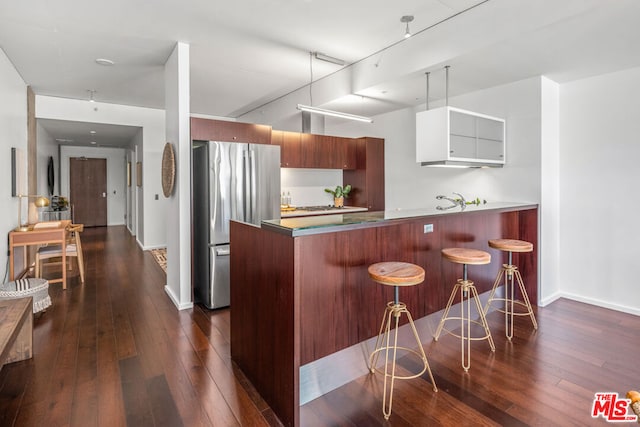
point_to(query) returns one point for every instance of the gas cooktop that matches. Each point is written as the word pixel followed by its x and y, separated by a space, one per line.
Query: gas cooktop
pixel 317 208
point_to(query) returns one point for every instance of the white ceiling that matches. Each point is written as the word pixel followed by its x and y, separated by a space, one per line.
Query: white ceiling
pixel 245 54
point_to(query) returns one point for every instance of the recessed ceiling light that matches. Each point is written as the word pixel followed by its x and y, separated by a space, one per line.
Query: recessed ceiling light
pixel 103 61
pixel 92 132
pixel 93 142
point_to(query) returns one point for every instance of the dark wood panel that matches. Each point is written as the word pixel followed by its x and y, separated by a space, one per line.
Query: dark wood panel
pixel 333 273
pixel 220 130
pixel 265 316
pixel 367 178
pixel 290 148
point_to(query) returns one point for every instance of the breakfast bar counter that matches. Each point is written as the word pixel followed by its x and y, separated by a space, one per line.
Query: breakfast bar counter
pixel 300 290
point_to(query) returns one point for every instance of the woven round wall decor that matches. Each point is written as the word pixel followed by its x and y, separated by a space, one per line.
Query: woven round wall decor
pixel 168 169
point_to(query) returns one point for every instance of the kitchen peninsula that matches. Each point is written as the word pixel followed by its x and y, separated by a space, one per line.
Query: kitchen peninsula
pixel 300 290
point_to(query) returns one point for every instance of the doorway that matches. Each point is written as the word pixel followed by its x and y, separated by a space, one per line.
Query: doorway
pixel 88 191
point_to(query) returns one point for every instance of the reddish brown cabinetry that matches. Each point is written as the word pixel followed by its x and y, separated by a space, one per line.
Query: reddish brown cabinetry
pixel 290 148
pixel 367 178
pixel 220 130
pixel 303 150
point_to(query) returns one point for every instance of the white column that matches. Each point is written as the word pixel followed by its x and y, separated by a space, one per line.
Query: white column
pixel 179 213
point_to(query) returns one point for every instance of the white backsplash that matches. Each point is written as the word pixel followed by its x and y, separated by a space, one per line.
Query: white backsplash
pixel 306 186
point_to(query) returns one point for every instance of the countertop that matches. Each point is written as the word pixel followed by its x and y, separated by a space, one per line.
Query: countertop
pixel 328 211
pixel 316 224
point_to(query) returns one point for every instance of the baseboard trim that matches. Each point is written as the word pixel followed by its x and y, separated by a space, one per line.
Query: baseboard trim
pixel 600 303
pixel 176 301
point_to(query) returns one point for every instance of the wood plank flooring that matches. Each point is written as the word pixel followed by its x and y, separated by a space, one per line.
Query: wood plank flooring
pixel 116 352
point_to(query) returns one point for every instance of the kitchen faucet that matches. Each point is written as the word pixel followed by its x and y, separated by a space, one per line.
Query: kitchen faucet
pixel 460 201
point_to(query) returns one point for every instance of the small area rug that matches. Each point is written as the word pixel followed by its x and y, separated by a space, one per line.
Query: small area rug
pixel 160 255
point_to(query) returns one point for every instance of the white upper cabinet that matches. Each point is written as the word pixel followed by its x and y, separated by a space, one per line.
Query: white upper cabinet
pixel 451 136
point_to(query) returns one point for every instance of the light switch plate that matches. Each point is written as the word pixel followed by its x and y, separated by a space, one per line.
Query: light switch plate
pixel 428 228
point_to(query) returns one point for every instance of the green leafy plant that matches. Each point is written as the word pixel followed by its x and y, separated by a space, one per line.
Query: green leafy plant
pixel 340 191
pixel 477 201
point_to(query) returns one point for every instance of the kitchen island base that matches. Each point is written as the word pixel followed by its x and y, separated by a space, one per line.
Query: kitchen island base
pixel 288 287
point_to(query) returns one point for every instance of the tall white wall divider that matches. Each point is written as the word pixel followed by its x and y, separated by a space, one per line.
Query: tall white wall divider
pixel 179 211
pixel 13 133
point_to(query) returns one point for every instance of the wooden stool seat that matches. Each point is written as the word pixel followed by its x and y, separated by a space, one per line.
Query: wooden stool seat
pixel 466 256
pixel 511 245
pixel 396 273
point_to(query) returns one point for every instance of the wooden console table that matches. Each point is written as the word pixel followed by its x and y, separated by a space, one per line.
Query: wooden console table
pixel 16 330
pixel 36 237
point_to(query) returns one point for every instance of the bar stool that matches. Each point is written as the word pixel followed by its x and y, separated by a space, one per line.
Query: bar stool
pixel 396 274
pixel 509 271
pixel 466 257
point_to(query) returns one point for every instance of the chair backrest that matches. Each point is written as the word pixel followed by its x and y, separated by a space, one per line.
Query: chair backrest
pixel 75 230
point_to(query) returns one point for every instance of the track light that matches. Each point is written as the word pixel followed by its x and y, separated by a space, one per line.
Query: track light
pixel 406 19
pixel 321 56
pixel 332 113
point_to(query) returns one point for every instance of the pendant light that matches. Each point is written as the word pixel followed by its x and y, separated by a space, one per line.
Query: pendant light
pixel 322 111
pixel 406 19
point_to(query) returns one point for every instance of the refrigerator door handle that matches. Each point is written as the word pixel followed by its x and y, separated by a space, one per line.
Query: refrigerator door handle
pixel 247 186
pixel 223 252
pixel 254 185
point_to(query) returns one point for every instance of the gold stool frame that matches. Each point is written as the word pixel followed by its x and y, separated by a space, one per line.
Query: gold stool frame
pixel 509 271
pixel 465 286
pixel 394 310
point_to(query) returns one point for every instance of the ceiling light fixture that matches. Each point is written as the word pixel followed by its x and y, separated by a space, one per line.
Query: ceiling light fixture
pixel 322 111
pixel 332 113
pixel 105 62
pixel 92 132
pixel 91 93
pixel 321 56
pixel 406 19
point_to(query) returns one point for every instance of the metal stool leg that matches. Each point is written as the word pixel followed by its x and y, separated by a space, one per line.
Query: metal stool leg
pixel 509 272
pixel 467 292
pixel 445 314
pixel 394 310
pixel 525 297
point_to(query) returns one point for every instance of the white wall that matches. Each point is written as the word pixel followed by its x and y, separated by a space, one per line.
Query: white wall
pixel 599 152
pixel 306 186
pixel 13 133
pixel 47 147
pixel 549 214
pixel 116 177
pixel 150 212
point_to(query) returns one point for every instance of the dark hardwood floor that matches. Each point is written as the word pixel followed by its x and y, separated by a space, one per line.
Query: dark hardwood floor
pixel 115 352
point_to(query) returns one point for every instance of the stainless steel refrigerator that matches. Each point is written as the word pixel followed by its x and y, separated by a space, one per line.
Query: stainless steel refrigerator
pixel 230 180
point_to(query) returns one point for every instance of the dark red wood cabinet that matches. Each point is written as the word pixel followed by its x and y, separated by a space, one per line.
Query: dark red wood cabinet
pixel 367 178
pixel 220 130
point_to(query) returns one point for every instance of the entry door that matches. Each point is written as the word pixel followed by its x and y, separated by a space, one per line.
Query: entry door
pixel 88 182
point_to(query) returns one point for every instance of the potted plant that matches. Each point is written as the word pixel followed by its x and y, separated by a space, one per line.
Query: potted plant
pixel 339 194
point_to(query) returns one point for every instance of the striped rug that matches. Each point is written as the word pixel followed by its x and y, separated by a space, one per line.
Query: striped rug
pixel 160 256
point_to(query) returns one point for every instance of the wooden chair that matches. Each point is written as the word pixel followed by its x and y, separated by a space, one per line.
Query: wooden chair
pixel 73 249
